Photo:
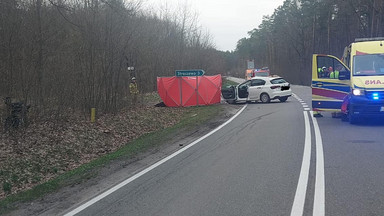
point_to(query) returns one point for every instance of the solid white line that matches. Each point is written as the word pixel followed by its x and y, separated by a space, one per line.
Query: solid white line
pixel 319 200
pixel 301 190
pixel 134 177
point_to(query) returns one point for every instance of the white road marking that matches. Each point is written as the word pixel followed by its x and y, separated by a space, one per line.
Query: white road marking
pixel 319 200
pixel 134 177
pixel 301 190
pixel 305 106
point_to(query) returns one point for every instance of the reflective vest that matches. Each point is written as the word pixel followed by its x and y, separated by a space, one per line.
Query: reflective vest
pixel 334 75
pixel 133 88
pixel 320 72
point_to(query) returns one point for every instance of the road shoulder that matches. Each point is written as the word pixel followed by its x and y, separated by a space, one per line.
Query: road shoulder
pixel 118 170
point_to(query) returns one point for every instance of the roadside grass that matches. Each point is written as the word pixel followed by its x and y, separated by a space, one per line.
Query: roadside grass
pixel 192 118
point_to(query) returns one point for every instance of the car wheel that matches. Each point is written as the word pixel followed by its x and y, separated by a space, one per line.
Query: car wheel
pixel 265 98
pixel 283 99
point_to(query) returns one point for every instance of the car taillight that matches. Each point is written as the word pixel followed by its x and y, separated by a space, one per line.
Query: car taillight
pixel 275 87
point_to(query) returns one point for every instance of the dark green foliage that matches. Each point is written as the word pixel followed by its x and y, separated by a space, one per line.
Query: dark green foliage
pixel 7 187
pixel 286 40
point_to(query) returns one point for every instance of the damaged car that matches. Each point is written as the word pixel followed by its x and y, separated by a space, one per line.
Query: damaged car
pixel 262 89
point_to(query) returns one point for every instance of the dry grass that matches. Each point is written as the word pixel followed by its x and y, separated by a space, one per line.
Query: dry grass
pixel 47 148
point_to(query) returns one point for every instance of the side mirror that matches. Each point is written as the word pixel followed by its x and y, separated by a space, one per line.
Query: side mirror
pixel 344 75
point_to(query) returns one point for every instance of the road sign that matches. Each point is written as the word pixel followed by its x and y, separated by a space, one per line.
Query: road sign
pixel 182 73
pixel 251 64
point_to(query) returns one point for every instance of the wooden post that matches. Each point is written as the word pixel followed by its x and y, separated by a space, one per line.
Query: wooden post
pixel 197 91
pixel 181 91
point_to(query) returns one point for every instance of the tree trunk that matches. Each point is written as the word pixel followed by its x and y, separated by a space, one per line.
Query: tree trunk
pixel 39 62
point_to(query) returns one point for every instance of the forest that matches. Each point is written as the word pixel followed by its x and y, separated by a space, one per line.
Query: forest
pixel 61 55
pixel 286 40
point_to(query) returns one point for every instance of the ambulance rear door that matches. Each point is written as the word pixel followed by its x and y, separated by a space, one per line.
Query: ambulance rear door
pixel 329 90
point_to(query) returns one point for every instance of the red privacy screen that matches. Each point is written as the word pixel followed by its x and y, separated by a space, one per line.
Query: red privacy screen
pixel 189 91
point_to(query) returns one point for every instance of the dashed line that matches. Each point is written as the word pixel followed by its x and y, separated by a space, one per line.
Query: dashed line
pixel 305 105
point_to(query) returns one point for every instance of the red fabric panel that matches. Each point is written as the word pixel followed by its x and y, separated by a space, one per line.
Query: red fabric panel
pixel 160 87
pixel 202 91
pixel 209 91
pixel 173 91
pixel 169 90
pixel 189 91
pixel 217 80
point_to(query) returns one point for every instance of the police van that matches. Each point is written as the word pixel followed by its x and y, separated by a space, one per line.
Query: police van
pixel 353 86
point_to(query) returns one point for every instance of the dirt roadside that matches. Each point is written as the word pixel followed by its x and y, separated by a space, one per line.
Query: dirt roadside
pixel 117 171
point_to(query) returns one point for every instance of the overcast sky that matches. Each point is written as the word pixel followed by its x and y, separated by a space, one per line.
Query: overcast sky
pixel 226 20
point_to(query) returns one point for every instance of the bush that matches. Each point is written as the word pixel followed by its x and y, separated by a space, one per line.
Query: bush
pixel 7 187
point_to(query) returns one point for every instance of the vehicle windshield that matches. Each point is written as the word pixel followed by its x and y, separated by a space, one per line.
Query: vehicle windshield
pixel 262 74
pixel 368 65
pixel 245 84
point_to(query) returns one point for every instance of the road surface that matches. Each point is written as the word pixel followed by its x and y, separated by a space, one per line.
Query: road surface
pixel 271 159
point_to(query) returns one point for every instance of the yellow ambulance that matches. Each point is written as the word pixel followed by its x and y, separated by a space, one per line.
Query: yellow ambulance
pixel 354 85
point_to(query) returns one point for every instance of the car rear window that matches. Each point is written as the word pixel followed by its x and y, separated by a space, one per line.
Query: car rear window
pixel 278 81
pixel 257 82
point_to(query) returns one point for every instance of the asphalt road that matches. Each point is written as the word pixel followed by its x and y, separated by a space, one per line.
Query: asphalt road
pixel 270 160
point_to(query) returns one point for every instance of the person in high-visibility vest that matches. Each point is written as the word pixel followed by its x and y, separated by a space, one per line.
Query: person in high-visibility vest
pixel 330 70
pixel 320 72
pixel 134 91
pixel 334 74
